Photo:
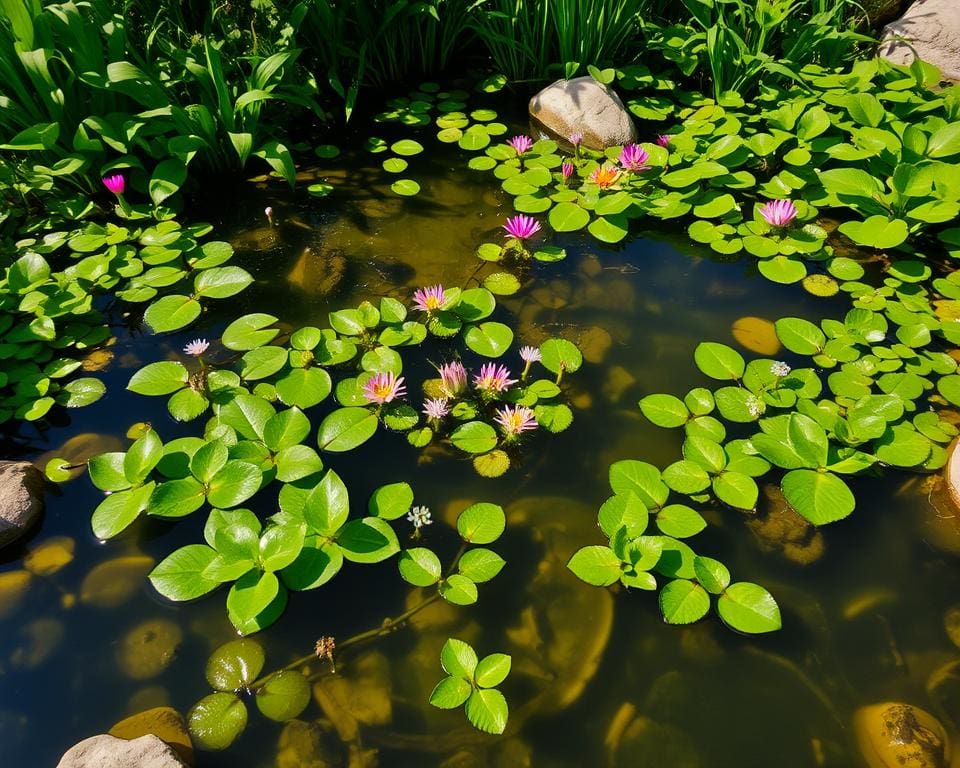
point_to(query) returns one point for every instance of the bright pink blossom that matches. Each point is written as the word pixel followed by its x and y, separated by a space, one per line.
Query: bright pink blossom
pixel 493 378
pixel 115 182
pixel 634 158
pixel 521 143
pixel 521 227
pixel 429 299
pixel 383 388
pixel 779 213
pixel 567 170
pixel 663 140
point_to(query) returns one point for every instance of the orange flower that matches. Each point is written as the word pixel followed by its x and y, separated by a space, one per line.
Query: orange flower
pixel 605 176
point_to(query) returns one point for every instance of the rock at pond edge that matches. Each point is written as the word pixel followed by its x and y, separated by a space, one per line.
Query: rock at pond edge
pixel 21 499
pixel 106 751
pixel 165 723
pixel 585 106
pixel 897 735
pixel 929 29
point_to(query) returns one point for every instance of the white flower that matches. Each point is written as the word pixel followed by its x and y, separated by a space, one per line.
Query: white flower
pixel 754 406
pixel 779 369
pixel 875 336
pixel 420 516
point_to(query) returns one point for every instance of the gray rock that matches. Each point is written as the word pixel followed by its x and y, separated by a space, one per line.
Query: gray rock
pixel 583 105
pixel 932 29
pixel 105 751
pixel 21 499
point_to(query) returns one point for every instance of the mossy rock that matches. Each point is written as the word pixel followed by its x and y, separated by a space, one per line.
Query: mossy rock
pixel 163 722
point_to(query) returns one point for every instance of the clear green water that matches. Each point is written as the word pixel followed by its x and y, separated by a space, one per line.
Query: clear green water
pixel 598 678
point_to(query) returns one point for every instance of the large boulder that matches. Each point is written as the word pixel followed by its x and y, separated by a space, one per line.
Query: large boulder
pixel 105 751
pixel 584 106
pixel 21 499
pixel 929 29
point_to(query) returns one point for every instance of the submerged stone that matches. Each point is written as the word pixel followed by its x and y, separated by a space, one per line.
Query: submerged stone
pixel 647 742
pixel 307 745
pixel 779 528
pixel 81 448
pixel 582 105
pixel 111 583
pixel 897 735
pixel 22 487
pixel 318 272
pixel 164 722
pixel 40 639
pixel 105 751
pixel 50 556
pixel 360 695
pixel 13 588
pixel 147 649
pixel 756 334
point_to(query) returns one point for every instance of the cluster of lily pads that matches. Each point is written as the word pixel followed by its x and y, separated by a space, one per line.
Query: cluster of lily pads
pixel 50 309
pixel 303 547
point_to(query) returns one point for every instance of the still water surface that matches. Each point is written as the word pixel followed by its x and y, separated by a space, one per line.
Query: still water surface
pixel 598 678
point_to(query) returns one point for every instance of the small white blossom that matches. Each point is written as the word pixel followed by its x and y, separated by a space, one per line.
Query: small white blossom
pixel 779 369
pixel 196 347
pixel 420 516
pixel 754 406
pixel 875 336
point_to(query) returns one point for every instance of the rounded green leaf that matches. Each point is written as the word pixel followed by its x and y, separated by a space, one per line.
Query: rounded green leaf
pixel 596 565
pixel 450 693
pixel 234 665
pixel 474 437
pixel 489 339
pixel 405 187
pixel 159 378
pixel 821 497
pixel 683 602
pixel 749 608
pixel 368 540
pixel 481 523
pixel 171 313
pixel 492 670
pixel 346 428
pixel 480 564
pixel 560 355
pixel 568 217
pixel 665 410
pixel 487 710
pixel 216 721
pixel 420 566
pixel 406 147
pixel 284 696
pixel 718 361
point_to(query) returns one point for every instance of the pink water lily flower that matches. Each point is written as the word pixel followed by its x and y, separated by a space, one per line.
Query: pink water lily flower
pixel 567 170
pixel 429 299
pixel 530 354
pixel 196 347
pixel 516 419
pixel 436 407
pixel 779 213
pixel 383 388
pixel 576 139
pixel 521 144
pixel 493 378
pixel 663 140
pixel 115 182
pixel 521 227
pixel 634 158
pixel 453 379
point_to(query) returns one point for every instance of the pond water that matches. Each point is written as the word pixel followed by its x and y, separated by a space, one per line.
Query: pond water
pixel 598 678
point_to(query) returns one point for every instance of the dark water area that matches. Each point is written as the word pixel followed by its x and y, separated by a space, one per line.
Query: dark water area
pixel 598 678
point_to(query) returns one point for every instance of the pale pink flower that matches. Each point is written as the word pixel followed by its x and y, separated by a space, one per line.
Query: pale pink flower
pixel 493 378
pixel 453 379
pixel 576 139
pixel 634 158
pixel 521 144
pixel 429 299
pixel 436 407
pixel 530 354
pixel 521 227
pixel 663 140
pixel 516 419
pixel 383 388
pixel 196 347
pixel 779 213
pixel 268 212
pixel 115 182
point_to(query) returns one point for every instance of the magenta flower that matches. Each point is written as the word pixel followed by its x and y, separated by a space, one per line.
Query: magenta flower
pixel 516 419
pixel 779 213
pixel 521 227
pixel 493 378
pixel 429 299
pixel 530 354
pixel 634 158
pixel 567 170
pixel 521 144
pixel 663 140
pixel 436 407
pixel 383 388
pixel 453 379
pixel 115 182
pixel 196 347
pixel 576 139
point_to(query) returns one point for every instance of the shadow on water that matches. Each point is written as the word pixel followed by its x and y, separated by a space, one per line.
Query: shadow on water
pixel 598 678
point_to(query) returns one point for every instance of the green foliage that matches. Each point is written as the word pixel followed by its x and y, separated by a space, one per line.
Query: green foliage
pixel 472 682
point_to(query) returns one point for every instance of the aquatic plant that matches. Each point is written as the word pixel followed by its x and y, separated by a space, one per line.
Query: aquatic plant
pixel 633 158
pixel 472 683
pixel 429 299
pixel 383 387
pixel 605 176
pixel 778 213
pixel 493 379
pixel 521 144
pixel 115 182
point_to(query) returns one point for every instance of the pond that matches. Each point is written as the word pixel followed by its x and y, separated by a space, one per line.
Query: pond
pixel 598 678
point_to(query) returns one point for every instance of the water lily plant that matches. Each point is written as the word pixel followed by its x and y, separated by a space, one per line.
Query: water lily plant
pixel 779 213
pixel 384 387
pixel 520 228
pixel 634 158
pixel 515 420
pixel 429 299
pixel 605 176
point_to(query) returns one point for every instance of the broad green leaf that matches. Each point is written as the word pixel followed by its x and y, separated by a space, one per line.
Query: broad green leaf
pixel 492 670
pixel 420 566
pixel 749 608
pixel 346 428
pixel 596 565
pixel 216 721
pixel 820 497
pixel 234 665
pixel 458 659
pixel 487 710
pixel 683 602
pixel 368 540
pixel 481 523
pixel 284 696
